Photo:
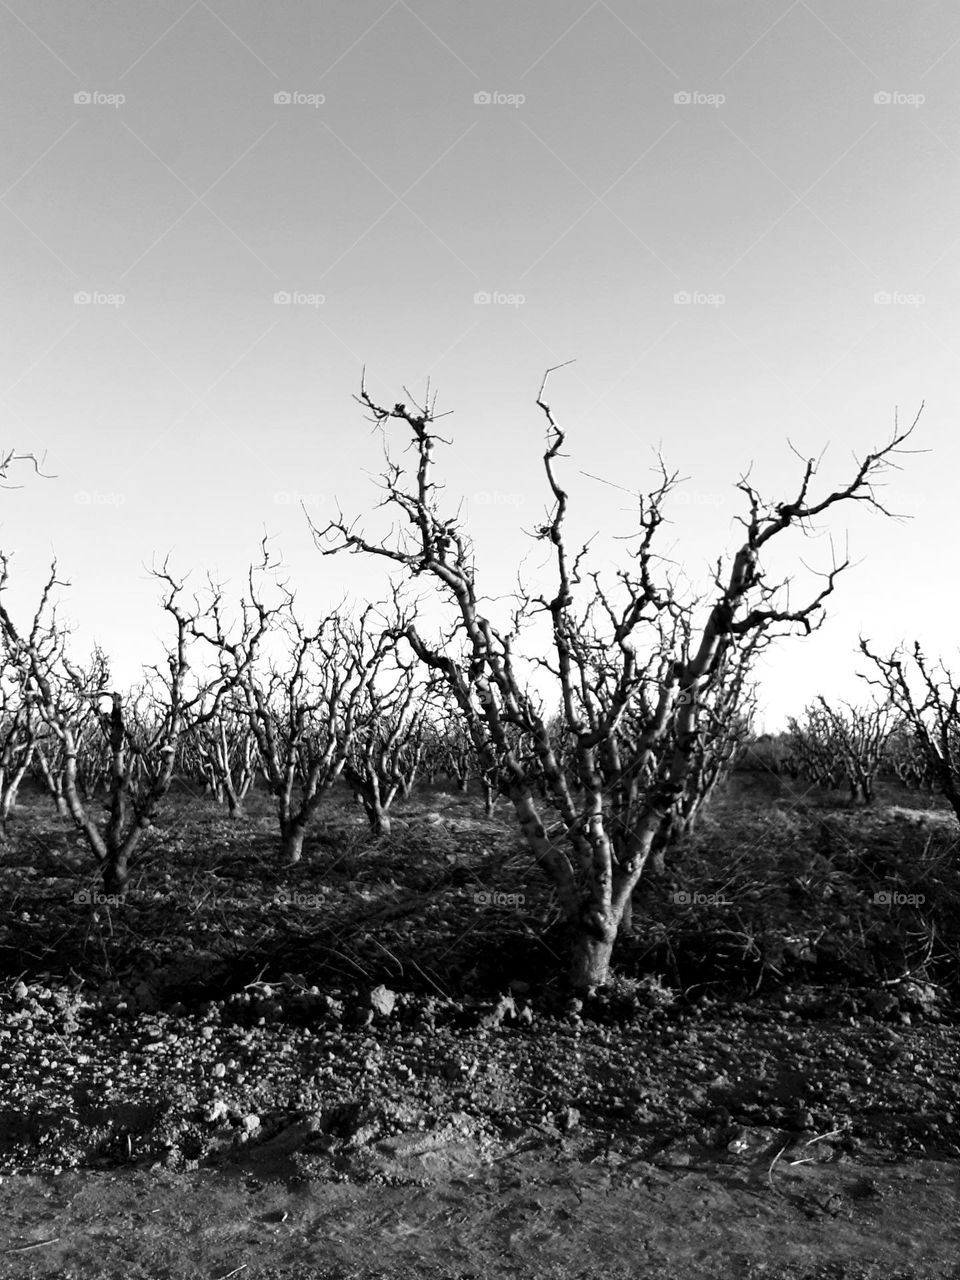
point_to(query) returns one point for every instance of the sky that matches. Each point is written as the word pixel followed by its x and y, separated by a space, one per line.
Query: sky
pixel 739 221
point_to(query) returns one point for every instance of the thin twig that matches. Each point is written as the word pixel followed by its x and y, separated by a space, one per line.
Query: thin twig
pixel 37 1244
pixel 774 1161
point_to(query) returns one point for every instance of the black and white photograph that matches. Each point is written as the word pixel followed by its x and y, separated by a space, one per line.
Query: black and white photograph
pixel 479 642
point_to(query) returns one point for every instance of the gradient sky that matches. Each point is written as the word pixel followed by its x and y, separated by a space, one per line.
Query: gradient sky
pixel 804 197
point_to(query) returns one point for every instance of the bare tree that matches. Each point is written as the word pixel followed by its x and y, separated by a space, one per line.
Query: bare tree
pixel 92 762
pixel 932 713
pixel 833 746
pixel 302 708
pixel 639 652
pixel 387 746
pixel 140 731
pixel 907 759
pixel 19 724
pixel 222 755
pixel 860 737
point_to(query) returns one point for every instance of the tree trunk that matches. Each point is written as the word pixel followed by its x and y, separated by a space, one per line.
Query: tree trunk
pixel 115 875
pixel 489 800
pixel 291 843
pixel 380 824
pixel 590 959
pixel 860 793
pixel 234 803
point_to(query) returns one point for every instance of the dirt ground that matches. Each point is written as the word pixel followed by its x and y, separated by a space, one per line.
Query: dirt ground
pixel 362 1069
pixel 457 1211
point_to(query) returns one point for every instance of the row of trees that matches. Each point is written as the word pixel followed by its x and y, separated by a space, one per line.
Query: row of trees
pixel 915 739
pixel 295 715
pixel 649 694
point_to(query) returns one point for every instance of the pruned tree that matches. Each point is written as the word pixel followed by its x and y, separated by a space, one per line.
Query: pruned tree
pixel 813 749
pixel 927 697
pixel 383 759
pixel 907 760
pixel 458 756
pixel 639 654
pixel 140 731
pixel 859 736
pixel 92 760
pixel 19 725
pixel 303 706
pixel 221 754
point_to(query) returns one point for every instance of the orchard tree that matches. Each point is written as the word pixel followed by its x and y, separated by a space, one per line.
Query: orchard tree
pixel 632 665
pixel 19 727
pixel 305 700
pixel 927 697
pixel 140 732
pixel 221 754
pixel 384 757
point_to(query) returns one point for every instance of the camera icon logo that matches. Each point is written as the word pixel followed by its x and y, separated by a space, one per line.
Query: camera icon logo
pixel 282 99
pixel 82 98
pixel 482 99
pixel 682 99
pixel 281 299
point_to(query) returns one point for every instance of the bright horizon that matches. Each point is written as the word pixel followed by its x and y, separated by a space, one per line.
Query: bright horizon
pixel 738 223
